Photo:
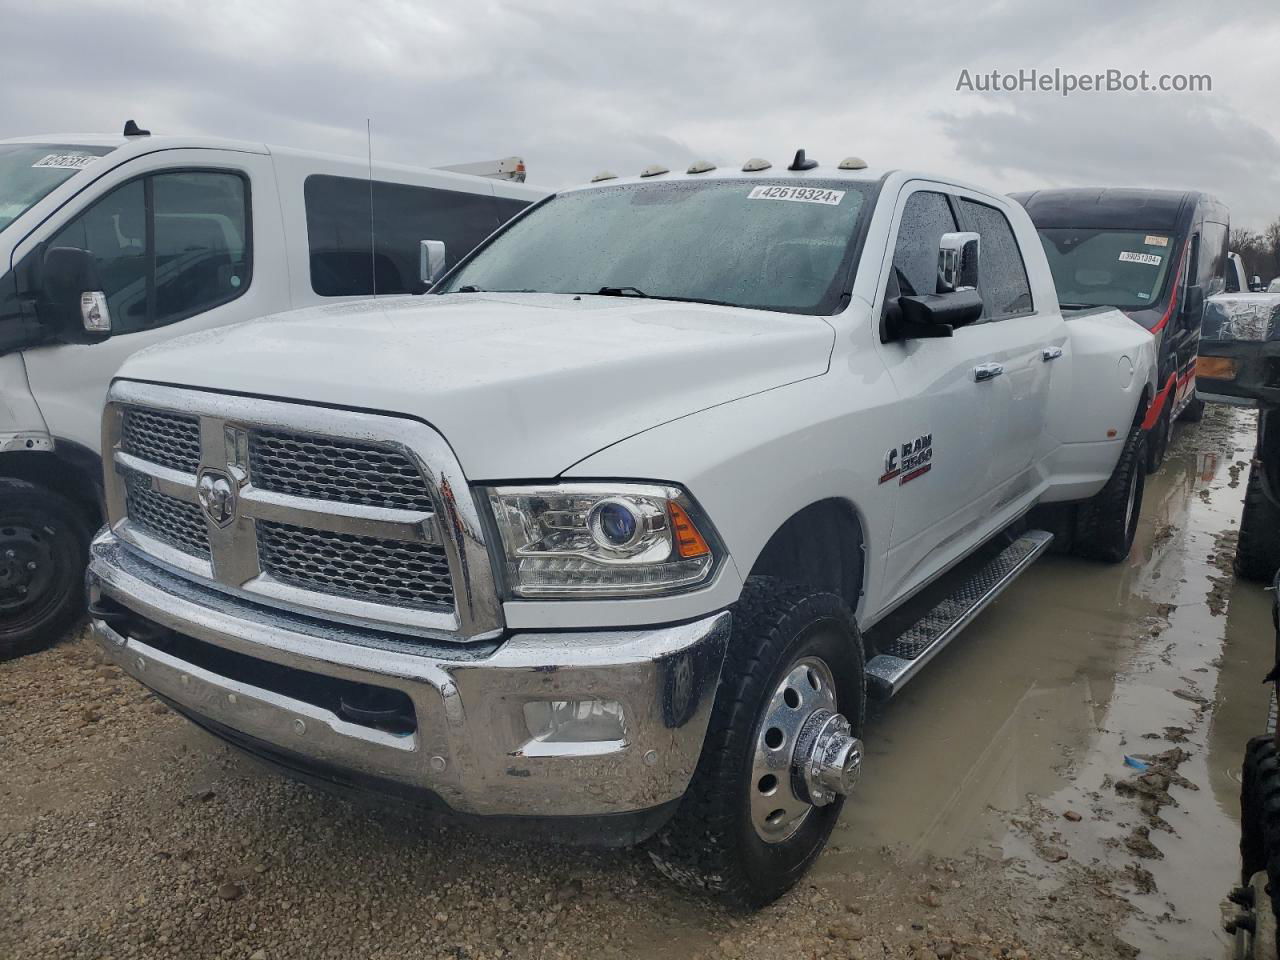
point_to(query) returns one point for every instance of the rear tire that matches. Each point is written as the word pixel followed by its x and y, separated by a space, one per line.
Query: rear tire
pixel 715 843
pixel 44 546
pixel 1258 550
pixel 1106 523
pixel 1260 835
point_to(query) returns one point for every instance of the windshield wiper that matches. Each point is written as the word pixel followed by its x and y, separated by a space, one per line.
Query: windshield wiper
pixel 621 292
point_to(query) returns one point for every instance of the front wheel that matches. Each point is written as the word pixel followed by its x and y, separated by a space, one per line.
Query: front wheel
pixel 1158 439
pixel 43 548
pixel 1107 522
pixel 1193 412
pixel 781 750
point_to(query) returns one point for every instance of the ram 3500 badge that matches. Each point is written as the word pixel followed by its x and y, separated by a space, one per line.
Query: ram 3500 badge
pixel 595 539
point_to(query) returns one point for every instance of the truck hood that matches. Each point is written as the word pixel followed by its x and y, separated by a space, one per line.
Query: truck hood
pixel 521 385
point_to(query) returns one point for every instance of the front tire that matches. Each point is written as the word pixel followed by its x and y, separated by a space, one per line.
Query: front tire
pixel 1193 412
pixel 1157 440
pixel 1258 550
pixel 1107 522
pixel 745 830
pixel 44 545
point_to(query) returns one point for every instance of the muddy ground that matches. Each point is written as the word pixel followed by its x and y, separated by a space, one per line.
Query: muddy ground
pixel 997 817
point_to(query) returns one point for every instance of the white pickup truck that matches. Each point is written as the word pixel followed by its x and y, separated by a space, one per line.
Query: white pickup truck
pixel 604 539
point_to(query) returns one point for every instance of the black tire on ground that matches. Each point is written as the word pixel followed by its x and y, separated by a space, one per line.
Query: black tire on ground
pixel 1106 523
pixel 44 545
pixel 1258 550
pixel 1193 411
pixel 1158 438
pixel 711 844
pixel 1260 816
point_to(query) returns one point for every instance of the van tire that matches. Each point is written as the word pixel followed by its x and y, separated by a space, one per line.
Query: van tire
pixel 1158 439
pixel 1258 550
pixel 1193 412
pixel 711 844
pixel 1106 523
pixel 44 546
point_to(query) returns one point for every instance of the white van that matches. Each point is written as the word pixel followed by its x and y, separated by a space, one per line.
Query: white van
pixel 109 244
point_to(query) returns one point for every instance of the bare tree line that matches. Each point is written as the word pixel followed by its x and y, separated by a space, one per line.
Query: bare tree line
pixel 1259 251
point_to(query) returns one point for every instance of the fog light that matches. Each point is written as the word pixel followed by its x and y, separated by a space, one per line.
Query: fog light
pixel 575 721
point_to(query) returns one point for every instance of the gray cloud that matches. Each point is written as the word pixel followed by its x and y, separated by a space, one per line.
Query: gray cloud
pixel 577 88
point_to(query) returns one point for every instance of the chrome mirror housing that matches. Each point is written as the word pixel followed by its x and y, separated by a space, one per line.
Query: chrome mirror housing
pixel 431 261
pixel 958 262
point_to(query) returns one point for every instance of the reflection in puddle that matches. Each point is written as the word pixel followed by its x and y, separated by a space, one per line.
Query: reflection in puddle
pixel 1076 666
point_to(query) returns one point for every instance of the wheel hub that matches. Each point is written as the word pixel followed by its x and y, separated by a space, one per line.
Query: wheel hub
pixel 806 755
pixel 26 566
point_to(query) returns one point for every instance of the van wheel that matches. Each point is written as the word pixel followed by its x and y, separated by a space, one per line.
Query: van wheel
pixel 1106 523
pixel 1258 551
pixel 44 546
pixel 781 749
pixel 1193 412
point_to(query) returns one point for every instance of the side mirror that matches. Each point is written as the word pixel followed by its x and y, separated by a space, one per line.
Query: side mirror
pixel 430 261
pixel 1256 283
pixel 958 262
pixel 1193 306
pixel 71 296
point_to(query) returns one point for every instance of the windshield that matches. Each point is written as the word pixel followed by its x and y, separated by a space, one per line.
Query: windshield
pixel 28 171
pixel 1108 268
pixel 767 245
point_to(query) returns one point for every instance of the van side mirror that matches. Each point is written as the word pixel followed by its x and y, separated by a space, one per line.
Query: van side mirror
pixel 430 261
pixel 958 262
pixel 1194 304
pixel 72 299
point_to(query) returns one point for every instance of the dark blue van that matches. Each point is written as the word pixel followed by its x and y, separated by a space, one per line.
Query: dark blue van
pixel 1155 254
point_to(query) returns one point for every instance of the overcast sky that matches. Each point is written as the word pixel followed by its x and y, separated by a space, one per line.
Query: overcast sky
pixel 575 87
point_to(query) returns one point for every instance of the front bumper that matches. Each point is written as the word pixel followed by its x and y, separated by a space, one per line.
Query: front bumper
pixel 261 676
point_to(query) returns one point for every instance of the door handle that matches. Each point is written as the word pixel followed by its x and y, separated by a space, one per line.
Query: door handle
pixel 987 371
pixel 1050 353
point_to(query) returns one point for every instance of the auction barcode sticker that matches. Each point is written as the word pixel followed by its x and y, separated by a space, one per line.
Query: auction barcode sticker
pixel 65 161
pixel 798 194
pixel 1148 258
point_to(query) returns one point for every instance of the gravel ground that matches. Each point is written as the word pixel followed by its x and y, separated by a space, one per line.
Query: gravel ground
pixel 125 832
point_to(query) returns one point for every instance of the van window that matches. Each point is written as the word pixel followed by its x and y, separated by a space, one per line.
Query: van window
pixel 344 260
pixel 190 254
pixel 1094 267
pixel 1002 275
pixel 925 218
pixel 30 171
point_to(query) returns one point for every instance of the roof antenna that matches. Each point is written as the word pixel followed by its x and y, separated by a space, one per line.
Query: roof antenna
pixel 373 237
pixel 131 129
pixel 800 163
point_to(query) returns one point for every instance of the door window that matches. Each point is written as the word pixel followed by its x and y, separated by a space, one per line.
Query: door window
pixel 925 218
pixel 1002 275
pixel 167 246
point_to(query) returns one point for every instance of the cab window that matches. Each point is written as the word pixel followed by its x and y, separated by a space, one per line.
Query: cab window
pixel 925 218
pixel 167 246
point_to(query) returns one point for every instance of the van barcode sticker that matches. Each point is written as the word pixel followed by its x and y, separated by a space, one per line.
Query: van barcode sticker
pixel 1150 259
pixel 65 161
pixel 1151 240
pixel 798 194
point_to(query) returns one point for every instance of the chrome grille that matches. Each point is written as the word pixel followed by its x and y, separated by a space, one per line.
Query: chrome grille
pixel 174 521
pixel 363 568
pixel 169 439
pixel 336 469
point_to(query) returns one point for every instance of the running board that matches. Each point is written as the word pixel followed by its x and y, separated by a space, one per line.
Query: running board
pixel 901 658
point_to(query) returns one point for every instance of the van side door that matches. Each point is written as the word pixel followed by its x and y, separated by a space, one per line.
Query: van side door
pixel 183 240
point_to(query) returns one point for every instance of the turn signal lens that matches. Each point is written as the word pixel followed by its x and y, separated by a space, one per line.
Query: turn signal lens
pixel 1216 368
pixel 689 542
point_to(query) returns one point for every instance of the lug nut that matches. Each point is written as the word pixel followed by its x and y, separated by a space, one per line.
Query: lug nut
pixel 31 564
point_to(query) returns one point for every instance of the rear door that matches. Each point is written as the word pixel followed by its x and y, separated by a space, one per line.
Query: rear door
pixel 1024 339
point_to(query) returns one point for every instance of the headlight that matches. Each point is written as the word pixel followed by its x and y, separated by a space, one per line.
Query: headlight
pixel 601 539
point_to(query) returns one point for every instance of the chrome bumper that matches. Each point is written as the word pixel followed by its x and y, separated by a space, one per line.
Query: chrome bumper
pixel 471 746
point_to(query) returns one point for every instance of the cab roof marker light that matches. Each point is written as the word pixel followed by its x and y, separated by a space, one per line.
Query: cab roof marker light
pixel 852 163
pixel 701 166
pixel 654 170
pixel 755 164
pixel 604 175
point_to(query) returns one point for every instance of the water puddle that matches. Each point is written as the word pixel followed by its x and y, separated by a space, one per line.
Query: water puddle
pixel 1030 714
